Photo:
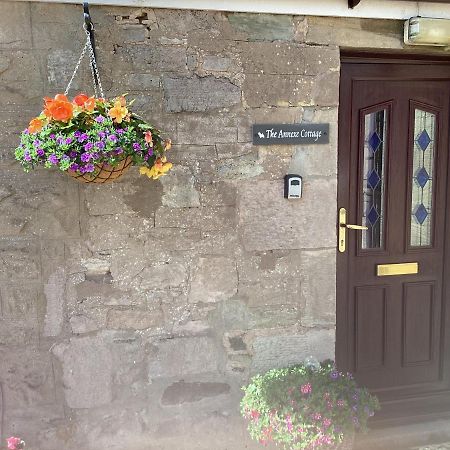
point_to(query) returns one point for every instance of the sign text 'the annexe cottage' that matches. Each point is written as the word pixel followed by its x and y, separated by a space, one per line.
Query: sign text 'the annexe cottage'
pixel 288 134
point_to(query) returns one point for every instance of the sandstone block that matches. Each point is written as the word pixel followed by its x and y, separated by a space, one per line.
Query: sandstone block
pixel 308 223
pixel 273 58
pixel 20 259
pixel 263 27
pixel 321 59
pixel 282 351
pixel 242 167
pixel 182 392
pixel 19 301
pixel 163 275
pixel 54 290
pixel 196 129
pixel 133 319
pixel 325 91
pixel 87 371
pixel 199 94
pixel 318 287
pixel 261 90
pixel 213 279
pixel 216 63
pixel 12 32
pixel 141 81
pixel 219 193
pixel 184 356
pixel 179 190
pixel 205 219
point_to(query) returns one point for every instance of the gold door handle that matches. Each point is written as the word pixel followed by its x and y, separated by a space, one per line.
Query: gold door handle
pixel 343 225
pixel 356 227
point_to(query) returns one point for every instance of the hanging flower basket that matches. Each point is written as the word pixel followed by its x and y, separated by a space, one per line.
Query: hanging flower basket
pixel 92 139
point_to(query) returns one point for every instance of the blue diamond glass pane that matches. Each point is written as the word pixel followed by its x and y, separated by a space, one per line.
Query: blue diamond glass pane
pixel 373 179
pixel 421 214
pixel 423 140
pixel 422 177
pixel 374 141
pixel 372 216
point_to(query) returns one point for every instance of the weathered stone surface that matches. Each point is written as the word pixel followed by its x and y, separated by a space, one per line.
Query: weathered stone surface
pixel 54 291
pixel 184 356
pixel 199 94
pixel 179 190
pixel 352 32
pixel 181 392
pixel 263 27
pixel 292 90
pixel 12 33
pixel 282 351
pixel 133 319
pixel 213 279
pixel 207 219
pixel 19 259
pixel 273 58
pixel 318 287
pixel 300 224
pixel 163 275
pixel 242 167
pixel 87 368
pixel 326 89
pixel 196 129
pixel 215 63
pixel 19 301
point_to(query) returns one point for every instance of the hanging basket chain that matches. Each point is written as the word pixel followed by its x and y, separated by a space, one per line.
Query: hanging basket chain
pixel 98 89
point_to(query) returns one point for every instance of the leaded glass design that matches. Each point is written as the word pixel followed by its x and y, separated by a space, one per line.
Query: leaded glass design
pixel 422 173
pixel 375 148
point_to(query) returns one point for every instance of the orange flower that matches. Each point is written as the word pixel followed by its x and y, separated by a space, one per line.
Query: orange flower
pixel 59 109
pixel 118 112
pixel 80 99
pixel 167 144
pixel 89 104
pixel 122 100
pixel 35 125
pixel 148 137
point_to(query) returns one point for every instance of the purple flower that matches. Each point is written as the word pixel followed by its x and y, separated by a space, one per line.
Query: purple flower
pixel 118 150
pixel 40 152
pixel 74 166
pixel 69 140
pixel 26 131
pixel 65 158
pixel 137 146
pixel 99 119
pixel 73 154
pixel 150 151
pixel 76 134
pixel 37 143
pixel 334 375
pixel 60 140
pixel 85 157
pixel 53 159
pixel 95 155
pixel 120 131
pixel 101 134
pixel 52 136
pixel 112 138
pixel 100 145
pixel 82 137
pixel 27 156
pixel 88 146
pixel 89 167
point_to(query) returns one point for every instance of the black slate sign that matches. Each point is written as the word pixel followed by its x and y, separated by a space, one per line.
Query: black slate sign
pixel 288 134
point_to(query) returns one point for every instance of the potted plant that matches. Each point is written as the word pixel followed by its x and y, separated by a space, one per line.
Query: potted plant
pixel 92 139
pixel 306 406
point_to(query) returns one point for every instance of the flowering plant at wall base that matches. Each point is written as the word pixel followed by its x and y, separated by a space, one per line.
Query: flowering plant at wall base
pixel 15 443
pixel 85 135
pixel 305 407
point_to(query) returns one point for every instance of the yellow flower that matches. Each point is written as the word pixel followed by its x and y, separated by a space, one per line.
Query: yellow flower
pixel 118 112
pixel 160 168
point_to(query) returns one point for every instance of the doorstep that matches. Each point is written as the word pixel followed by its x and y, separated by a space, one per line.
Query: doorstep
pixel 431 435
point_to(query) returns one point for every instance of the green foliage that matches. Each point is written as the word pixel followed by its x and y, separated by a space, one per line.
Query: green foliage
pixel 302 407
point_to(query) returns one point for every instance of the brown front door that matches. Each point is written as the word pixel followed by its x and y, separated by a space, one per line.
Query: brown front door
pixel 393 330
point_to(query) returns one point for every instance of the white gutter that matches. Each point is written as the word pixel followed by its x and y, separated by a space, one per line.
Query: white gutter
pixel 339 8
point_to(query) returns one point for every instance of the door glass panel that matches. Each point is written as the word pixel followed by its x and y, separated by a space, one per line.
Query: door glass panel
pixel 422 173
pixel 375 148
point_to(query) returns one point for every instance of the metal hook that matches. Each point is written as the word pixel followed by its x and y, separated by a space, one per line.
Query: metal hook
pixel 87 16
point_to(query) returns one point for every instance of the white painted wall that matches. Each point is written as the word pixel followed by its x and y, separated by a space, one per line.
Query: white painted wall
pixel 367 8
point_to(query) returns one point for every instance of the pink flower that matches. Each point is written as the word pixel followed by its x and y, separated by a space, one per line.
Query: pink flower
pixel 289 423
pixel 306 388
pixel 254 415
pixel 326 423
pixel 13 443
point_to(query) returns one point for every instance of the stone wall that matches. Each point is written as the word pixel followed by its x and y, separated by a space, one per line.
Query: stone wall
pixel 131 314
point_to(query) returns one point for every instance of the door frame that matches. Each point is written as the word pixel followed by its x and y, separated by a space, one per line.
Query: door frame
pixel 398 69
